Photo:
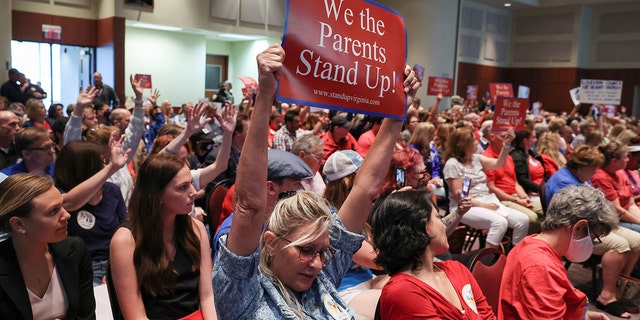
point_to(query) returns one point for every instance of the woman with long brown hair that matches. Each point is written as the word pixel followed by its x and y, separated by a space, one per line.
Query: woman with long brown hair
pixel 160 257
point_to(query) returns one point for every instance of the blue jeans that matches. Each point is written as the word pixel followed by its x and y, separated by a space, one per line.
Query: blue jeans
pixel 633 226
pixel 99 271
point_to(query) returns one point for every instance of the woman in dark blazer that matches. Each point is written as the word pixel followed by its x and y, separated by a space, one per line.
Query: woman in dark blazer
pixel 43 273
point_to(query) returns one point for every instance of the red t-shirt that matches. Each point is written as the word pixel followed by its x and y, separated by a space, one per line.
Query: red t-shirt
pixel 407 297
pixel 330 146
pixel 536 170
pixel 505 177
pixel 535 285
pixel 550 166
pixel 613 186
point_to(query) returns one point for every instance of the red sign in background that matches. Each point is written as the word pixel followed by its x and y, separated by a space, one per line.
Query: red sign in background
pixel 510 113
pixel 438 86
pixel 500 90
pixel 345 55
pixel 145 80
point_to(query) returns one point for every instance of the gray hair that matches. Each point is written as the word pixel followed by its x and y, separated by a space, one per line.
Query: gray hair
pixel 540 128
pixel 485 128
pixel 306 143
pixel 575 203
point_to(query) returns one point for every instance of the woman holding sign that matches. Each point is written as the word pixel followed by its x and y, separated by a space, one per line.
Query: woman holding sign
pixel 286 264
pixel 486 210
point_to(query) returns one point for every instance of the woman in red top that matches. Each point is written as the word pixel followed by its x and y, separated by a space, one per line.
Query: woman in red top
pixel 408 234
pixel 611 179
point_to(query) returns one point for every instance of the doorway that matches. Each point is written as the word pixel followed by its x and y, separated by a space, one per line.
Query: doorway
pixel 216 73
pixel 61 70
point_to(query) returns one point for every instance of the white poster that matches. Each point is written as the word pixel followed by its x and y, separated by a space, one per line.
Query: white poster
pixel 600 91
pixel 575 95
pixel 523 92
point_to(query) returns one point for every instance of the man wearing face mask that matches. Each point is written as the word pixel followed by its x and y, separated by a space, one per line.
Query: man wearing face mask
pixel 202 142
pixel 535 284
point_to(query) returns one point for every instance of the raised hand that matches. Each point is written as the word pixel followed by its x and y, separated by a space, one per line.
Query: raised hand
pixel 509 136
pixel 227 118
pixel 193 118
pixel 86 98
pixel 269 65
pixel 117 157
pixel 154 97
pixel 135 85
pixel 411 84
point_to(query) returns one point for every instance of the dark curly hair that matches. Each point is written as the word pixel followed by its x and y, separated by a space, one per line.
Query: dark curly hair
pixel 398 225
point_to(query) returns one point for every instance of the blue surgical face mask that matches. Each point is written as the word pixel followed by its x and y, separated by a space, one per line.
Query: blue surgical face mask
pixel 580 249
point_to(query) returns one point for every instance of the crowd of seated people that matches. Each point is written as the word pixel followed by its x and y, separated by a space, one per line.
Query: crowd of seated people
pixel 315 223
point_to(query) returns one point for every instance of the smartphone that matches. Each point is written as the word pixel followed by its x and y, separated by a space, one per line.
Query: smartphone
pixel 466 185
pixel 401 174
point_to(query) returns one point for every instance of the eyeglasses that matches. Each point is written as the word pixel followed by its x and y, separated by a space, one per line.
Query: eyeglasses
pixel 307 254
pixel 596 240
pixel 318 157
pixel 47 147
pixel 421 175
pixel 286 195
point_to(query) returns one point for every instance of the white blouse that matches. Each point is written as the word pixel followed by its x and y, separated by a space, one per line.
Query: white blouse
pixel 54 304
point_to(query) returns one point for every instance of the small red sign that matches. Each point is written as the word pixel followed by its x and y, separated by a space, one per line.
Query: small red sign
pixel 145 80
pixel 344 55
pixel 500 90
pixel 438 86
pixel 509 114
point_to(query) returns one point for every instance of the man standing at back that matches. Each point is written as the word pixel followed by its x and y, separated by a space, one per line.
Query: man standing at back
pixel 11 90
pixel 9 125
pixel 105 95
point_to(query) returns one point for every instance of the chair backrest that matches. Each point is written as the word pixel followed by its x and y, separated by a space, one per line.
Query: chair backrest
pixel 214 206
pixel 487 268
pixel 377 315
pixel 543 196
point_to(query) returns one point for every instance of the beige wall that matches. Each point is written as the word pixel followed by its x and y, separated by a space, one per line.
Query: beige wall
pixel 5 40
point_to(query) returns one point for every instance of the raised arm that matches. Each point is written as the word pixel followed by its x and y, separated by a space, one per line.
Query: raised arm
pixel 73 129
pixel 228 123
pixel 77 197
pixel 250 196
pixel 433 112
pixel 356 207
pixel 497 163
pixel 193 125
pixel 133 133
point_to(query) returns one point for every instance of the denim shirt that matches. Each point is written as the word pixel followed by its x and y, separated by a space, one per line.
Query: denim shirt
pixel 243 291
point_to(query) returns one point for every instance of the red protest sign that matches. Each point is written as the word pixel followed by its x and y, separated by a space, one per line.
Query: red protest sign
pixel 250 85
pixel 500 90
pixel 472 93
pixel 346 55
pixel 510 113
pixel 438 86
pixel 145 80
